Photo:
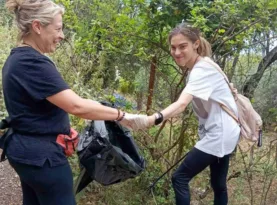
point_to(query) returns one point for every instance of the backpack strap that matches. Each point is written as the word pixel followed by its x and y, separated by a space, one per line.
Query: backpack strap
pixel 208 60
pixel 224 107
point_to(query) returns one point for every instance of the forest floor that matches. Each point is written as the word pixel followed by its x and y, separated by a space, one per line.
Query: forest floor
pixel 10 188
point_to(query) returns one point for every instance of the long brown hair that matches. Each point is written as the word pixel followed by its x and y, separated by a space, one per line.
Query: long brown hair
pixel 193 34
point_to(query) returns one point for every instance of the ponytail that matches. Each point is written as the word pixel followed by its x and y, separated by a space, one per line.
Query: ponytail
pixel 204 48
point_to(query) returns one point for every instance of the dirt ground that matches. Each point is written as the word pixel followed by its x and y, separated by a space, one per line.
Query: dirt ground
pixel 10 189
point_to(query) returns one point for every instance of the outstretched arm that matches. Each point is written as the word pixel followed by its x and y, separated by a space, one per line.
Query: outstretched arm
pixel 175 108
pixel 72 103
pixel 137 122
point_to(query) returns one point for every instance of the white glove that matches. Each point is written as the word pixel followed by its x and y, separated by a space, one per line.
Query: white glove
pixel 135 122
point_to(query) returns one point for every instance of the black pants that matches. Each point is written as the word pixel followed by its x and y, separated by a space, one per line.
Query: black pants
pixel 45 185
pixel 195 162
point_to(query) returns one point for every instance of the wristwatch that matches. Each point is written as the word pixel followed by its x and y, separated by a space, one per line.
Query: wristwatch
pixel 158 118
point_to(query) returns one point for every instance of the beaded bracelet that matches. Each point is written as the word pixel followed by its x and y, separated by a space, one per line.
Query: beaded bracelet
pixel 118 115
pixel 121 117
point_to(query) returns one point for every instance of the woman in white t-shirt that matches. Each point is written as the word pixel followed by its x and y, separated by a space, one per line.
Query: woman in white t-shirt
pixel 219 133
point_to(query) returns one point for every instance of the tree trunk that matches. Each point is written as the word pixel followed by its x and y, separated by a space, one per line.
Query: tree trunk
pixel 139 100
pixel 231 73
pixel 254 80
pixel 151 83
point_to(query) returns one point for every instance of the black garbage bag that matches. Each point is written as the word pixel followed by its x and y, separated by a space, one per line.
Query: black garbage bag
pixel 107 154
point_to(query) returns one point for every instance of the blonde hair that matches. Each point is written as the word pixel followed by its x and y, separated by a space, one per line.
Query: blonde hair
pixel 26 11
pixel 193 34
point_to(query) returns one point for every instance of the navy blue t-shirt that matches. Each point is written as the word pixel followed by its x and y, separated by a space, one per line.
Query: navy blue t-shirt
pixel 28 78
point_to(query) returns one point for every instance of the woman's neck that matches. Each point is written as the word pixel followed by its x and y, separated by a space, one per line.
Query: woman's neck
pixel 197 58
pixel 29 43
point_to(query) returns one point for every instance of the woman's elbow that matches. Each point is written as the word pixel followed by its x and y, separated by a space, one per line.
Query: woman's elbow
pixel 75 109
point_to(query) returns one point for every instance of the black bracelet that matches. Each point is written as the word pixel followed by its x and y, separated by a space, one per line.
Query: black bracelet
pixel 159 119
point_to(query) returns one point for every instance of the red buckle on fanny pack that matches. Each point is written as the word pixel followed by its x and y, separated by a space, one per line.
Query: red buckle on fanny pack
pixel 68 142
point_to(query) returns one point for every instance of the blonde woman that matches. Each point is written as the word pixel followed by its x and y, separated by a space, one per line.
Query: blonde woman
pixel 38 101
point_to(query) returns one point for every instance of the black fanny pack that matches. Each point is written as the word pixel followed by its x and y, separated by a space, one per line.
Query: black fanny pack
pixel 5 137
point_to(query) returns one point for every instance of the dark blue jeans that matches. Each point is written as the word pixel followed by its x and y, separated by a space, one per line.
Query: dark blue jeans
pixel 195 162
pixel 45 185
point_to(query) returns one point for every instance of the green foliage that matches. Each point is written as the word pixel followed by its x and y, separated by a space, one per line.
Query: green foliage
pixel 9 34
pixel 6 17
pixel 229 25
pixel 126 86
pixel 108 49
pixel 265 97
pixel 124 36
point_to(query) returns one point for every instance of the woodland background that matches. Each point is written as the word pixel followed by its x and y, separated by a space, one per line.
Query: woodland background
pixel 117 50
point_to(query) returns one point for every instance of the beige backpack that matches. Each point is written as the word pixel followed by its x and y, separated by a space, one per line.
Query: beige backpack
pixel 249 120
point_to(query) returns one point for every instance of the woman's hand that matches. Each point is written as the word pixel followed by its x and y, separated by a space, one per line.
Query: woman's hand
pixel 135 122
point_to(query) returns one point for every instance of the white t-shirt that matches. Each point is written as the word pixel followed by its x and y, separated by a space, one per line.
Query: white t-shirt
pixel 218 131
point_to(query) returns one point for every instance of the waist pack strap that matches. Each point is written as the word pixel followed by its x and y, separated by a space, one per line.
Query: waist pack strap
pixel 5 123
pixel 6 138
